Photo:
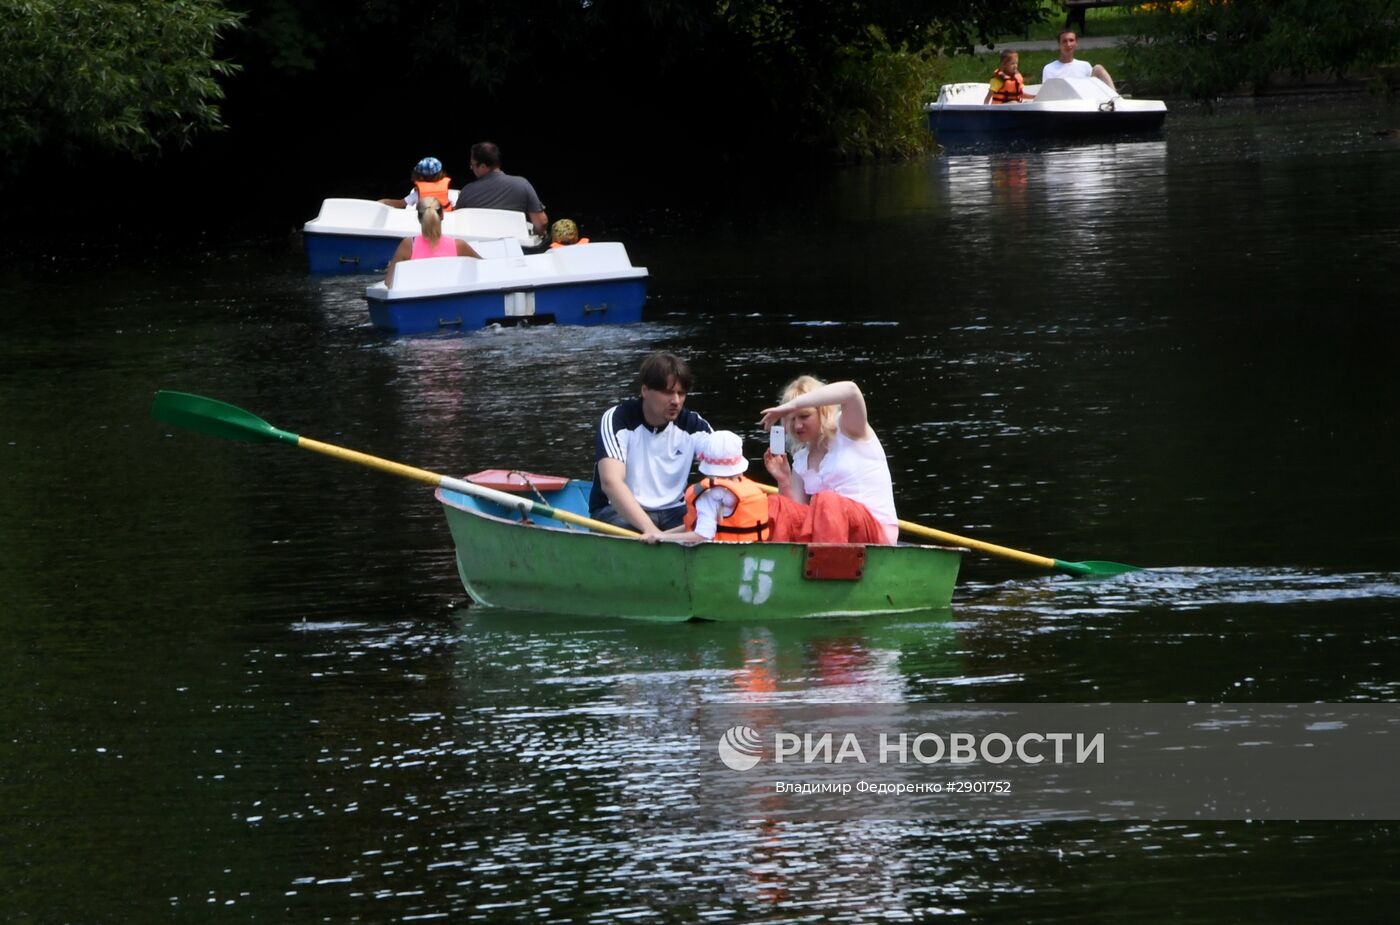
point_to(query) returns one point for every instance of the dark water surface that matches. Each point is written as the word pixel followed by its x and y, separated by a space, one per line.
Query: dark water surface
pixel 244 683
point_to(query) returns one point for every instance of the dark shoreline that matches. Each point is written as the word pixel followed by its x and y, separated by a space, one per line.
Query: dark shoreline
pixel 133 224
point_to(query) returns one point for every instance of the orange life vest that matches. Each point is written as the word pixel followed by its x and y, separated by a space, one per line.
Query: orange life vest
pixel 1007 89
pixel 557 244
pixel 436 189
pixel 748 523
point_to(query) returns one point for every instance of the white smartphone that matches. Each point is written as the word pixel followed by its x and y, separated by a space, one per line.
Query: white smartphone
pixel 777 442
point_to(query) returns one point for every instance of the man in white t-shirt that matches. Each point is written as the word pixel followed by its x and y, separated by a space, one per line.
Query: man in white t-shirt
pixel 1067 66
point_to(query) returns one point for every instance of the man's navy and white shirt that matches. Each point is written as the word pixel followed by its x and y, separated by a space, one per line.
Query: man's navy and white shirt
pixel 658 459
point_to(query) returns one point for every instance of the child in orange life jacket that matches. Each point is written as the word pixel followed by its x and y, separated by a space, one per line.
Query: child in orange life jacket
pixel 724 506
pixel 564 232
pixel 428 180
pixel 1008 86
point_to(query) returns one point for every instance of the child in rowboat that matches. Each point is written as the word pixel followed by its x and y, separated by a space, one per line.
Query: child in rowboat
pixel 1008 85
pixel 725 506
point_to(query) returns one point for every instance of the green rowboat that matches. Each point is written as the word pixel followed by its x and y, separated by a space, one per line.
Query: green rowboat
pixel 537 563
pixel 508 561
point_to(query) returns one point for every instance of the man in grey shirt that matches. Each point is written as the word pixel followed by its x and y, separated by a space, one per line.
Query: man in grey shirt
pixel 495 189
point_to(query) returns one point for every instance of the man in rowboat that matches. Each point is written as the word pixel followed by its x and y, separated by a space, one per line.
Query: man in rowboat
pixel 644 452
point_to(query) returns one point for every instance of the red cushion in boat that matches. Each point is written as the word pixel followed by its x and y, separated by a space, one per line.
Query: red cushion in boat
pixel 517 481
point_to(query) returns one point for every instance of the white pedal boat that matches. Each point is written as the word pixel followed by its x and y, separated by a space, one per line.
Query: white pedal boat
pixel 360 235
pixel 1063 108
pixel 584 284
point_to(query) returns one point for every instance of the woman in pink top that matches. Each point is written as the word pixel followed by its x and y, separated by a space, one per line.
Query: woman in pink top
pixel 838 488
pixel 430 243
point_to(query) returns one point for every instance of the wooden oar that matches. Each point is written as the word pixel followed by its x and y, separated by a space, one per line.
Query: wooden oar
pixel 1090 568
pixel 219 419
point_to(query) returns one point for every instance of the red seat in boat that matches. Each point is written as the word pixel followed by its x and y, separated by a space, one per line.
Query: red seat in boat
pixel 517 481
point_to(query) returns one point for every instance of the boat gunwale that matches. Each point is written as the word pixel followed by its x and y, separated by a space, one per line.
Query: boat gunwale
pixel 438 493
pixel 379 293
pixel 314 226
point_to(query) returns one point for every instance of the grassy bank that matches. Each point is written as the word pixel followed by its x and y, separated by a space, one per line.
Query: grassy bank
pixel 1101 23
pixel 1216 48
pixel 1111 20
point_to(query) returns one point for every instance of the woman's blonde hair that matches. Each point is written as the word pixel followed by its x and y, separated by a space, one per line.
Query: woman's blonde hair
pixel 826 414
pixel 430 217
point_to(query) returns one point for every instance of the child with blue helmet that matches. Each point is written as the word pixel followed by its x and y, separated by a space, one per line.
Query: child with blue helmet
pixel 428 180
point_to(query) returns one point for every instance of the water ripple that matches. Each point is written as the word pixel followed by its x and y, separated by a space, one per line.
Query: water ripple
pixel 1188 589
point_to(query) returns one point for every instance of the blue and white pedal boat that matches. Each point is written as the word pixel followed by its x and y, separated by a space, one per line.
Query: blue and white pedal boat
pixel 1063 108
pixel 360 235
pixel 586 284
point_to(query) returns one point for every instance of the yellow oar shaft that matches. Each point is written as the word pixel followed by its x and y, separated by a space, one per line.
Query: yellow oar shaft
pixel 432 478
pixel 990 549
pixel 374 462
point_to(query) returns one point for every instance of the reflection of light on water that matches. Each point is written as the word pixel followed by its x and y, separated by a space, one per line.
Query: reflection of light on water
pixel 981 681
pixel 1077 218
pixel 485 387
pixel 532 764
pixel 838 324
pixel 342 298
pixel 326 626
pixel 827 661
pixel 1061 597
pixel 836 671
pixel 1072 175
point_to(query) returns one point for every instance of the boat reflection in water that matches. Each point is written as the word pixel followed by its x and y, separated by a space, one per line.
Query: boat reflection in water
pixel 1078 217
pixel 608 721
pixel 1067 179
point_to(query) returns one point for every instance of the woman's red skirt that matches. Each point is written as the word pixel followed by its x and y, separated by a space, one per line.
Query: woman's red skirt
pixel 828 518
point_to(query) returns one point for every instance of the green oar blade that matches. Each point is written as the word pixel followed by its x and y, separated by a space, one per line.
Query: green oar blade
pixel 1094 568
pixel 215 418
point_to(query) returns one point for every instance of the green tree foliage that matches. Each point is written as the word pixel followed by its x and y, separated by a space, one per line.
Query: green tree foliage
pixel 1210 47
pixel 122 75
pixel 852 77
pixel 844 76
pixel 841 75
pixel 872 105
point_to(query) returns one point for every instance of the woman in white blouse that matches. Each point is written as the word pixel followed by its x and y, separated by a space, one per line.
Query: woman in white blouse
pixel 838 487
